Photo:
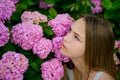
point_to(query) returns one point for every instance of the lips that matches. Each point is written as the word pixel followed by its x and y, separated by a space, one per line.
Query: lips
pixel 63 46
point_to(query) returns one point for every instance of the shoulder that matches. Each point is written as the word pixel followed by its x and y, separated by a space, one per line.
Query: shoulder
pixel 106 76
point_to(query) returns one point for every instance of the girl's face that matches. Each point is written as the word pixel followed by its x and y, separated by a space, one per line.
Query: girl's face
pixel 73 45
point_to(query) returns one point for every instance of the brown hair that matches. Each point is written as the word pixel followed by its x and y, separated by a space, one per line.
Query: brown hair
pixel 99 44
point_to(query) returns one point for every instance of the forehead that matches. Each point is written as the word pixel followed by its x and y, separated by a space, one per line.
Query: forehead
pixel 79 27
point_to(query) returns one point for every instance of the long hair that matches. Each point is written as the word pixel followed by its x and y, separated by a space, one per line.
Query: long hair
pixel 99 44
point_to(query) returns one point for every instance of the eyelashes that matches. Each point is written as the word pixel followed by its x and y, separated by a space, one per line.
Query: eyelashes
pixel 74 35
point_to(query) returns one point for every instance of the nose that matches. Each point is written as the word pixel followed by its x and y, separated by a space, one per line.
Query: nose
pixel 67 37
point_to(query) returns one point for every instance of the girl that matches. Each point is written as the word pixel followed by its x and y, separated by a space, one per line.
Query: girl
pixel 89 45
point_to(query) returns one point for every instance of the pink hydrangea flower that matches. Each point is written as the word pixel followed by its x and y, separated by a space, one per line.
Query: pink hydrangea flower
pixel 52 70
pixel 57 41
pixel 61 24
pixel 7 7
pixel 44 5
pixel 4 34
pixel 15 1
pixel 97 8
pixel 26 34
pixel 12 66
pixel 34 17
pixel 119 44
pixel 42 48
pixel 116 59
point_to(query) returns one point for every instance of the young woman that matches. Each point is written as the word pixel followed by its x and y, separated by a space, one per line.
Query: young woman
pixel 89 45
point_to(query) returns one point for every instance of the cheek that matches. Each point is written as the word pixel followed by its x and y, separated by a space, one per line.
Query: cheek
pixel 75 51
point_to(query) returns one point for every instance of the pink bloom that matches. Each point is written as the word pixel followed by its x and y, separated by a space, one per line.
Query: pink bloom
pixel 44 5
pixel 52 70
pixel 4 34
pixel 116 44
pixel 34 17
pixel 15 1
pixel 116 59
pixel 119 44
pixel 42 48
pixel 57 41
pixel 26 34
pixel 12 66
pixel 7 7
pixel 61 24
pixel 97 8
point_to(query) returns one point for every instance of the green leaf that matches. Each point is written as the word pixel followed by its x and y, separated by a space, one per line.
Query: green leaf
pixel 30 3
pixel 107 4
pixel 52 13
pixel 16 16
pixel 72 8
pixel 117 31
pixel 31 74
pixel 88 3
pixel 108 14
pixel 116 5
pixel 22 5
pixel 113 25
pixel 9 47
pixel 50 1
pixel 48 33
pixel 35 66
pixel 39 61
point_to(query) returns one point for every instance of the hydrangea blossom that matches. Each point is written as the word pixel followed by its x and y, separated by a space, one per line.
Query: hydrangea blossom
pixel 7 7
pixel 57 41
pixel 15 1
pixel 97 8
pixel 42 48
pixel 44 5
pixel 12 66
pixel 4 34
pixel 119 44
pixel 116 59
pixel 26 34
pixel 52 70
pixel 61 24
pixel 34 17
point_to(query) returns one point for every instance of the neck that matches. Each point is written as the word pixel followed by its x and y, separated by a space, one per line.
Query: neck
pixel 81 68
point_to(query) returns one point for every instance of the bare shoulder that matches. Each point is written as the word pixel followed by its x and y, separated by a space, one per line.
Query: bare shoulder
pixel 106 76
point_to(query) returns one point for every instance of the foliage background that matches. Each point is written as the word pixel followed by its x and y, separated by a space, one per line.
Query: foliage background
pixel 76 8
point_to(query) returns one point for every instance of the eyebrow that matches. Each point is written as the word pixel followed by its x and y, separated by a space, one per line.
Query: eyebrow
pixel 76 33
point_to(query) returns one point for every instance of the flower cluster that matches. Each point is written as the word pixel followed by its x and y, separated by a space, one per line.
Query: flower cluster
pixel 52 70
pixel 57 41
pixel 61 24
pixel 7 7
pixel 44 5
pixel 34 17
pixel 15 1
pixel 4 34
pixel 97 6
pixel 117 54
pixel 12 66
pixel 26 34
pixel 42 48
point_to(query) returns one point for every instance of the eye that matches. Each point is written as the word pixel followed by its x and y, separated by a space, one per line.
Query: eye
pixel 76 37
pixel 70 30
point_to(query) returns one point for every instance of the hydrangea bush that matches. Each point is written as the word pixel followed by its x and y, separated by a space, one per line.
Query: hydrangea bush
pixel 32 31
